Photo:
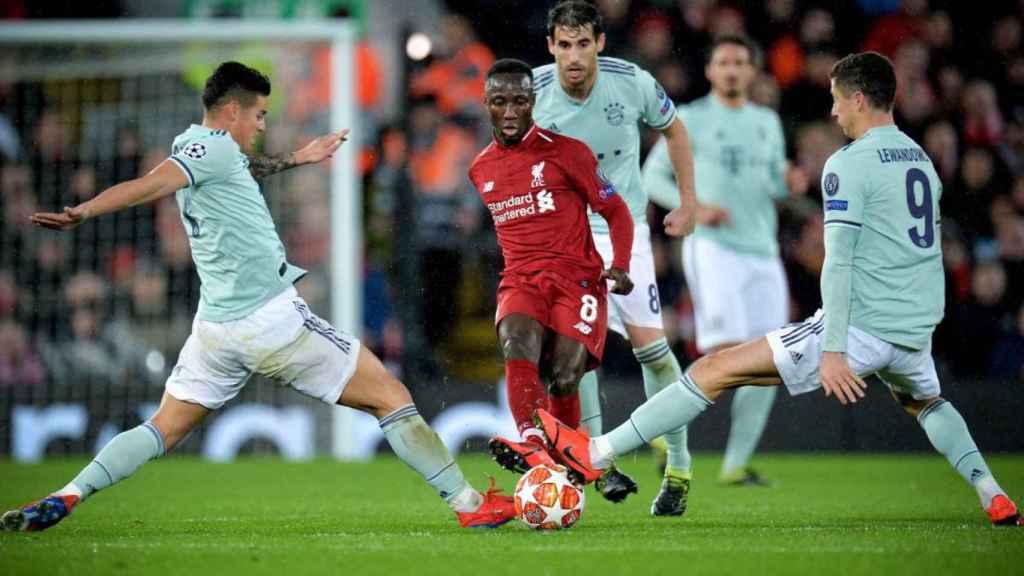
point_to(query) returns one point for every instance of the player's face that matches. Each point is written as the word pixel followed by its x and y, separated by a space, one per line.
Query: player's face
pixel 575 51
pixel 843 108
pixel 730 71
pixel 250 123
pixel 509 101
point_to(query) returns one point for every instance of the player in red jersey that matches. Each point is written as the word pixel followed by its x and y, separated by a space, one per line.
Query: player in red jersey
pixel 552 310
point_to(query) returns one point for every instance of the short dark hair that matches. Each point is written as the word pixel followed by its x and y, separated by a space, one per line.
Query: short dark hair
pixel 735 40
pixel 575 14
pixel 510 66
pixel 869 73
pixel 234 81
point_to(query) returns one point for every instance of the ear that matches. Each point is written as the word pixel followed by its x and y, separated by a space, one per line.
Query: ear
pixel 600 42
pixel 862 101
pixel 551 45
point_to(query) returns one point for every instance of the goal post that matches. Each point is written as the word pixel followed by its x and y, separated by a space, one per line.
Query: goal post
pixel 83 42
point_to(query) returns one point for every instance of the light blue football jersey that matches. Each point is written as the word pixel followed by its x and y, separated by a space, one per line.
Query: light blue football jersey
pixel 884 184
pixel 238 254
pixel 607 121
pixel 739 163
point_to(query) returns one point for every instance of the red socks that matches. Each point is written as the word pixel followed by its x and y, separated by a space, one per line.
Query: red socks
pixel 566 409
pixel 526 392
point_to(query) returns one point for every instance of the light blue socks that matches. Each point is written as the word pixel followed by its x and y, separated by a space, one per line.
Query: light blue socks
pixel 119 459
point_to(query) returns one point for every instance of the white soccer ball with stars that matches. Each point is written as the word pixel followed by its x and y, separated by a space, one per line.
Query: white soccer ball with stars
pixel 546 499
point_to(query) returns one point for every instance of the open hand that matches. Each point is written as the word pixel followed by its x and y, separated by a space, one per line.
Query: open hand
pixel 69 219
pixel 322 148
pixel 838 379
pixel 622 283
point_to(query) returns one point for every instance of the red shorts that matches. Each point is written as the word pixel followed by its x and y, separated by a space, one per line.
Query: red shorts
pixel 577 309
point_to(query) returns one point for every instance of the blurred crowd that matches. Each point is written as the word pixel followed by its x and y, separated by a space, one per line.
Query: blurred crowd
pixel 960 68
pixel 113 300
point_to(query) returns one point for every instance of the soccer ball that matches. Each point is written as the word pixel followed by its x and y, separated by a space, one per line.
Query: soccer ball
pixel 546 499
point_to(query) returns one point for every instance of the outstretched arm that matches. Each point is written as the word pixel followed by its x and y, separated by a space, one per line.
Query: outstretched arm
pixel 680 221
pixel 263 165
pixel 161 181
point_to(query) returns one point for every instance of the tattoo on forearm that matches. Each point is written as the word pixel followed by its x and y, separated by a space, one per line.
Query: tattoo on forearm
pixel 263 165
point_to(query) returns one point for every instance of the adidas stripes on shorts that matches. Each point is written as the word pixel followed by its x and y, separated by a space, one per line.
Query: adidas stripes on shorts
pixel 796 350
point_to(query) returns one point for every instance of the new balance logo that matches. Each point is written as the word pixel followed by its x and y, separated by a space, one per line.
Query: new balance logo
pixel 488 186
pixel 545 202
pixel 537 171
pixel 584 328
pixel 796 357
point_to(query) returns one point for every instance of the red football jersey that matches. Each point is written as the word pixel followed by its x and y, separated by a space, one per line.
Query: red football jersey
pixel 537 192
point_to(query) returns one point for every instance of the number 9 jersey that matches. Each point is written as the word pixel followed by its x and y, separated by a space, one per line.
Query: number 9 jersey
pixel 884 185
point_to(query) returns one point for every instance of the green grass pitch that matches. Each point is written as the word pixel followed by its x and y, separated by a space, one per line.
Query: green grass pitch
pixel 905 514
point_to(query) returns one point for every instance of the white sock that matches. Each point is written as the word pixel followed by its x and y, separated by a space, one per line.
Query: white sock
pixel 535 432
pixel 988 489
pixel 601 455
pixel 70 489
pixel 468 500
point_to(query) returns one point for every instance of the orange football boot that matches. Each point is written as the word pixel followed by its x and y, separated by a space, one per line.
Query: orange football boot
pixel 571 447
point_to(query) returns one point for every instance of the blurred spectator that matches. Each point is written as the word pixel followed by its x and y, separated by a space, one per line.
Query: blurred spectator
pixel 968 202
pixel 778 18
pixel 94 349
pixel 982 122
pixel 810 97
pixel 309 235
pixel 651 40
pixel 19 363
pixel 616 15
pixel 765 91
pixel 980 320
pixel 151 316
pixel 1011 149
pixel 1004 46
pixel 804 260
pixel 815 142
pixel 10 139
pixel 915 98
pixel 888 32
pixel 1008 355
pixel 786 57
pixel 49 157
pixel 456 80
pixel 448 210
pixel 940 143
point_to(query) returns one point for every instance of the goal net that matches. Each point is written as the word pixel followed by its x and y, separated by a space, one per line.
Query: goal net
pixel 91 322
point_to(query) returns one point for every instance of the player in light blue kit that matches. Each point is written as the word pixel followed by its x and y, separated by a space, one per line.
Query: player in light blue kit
pixel 601 101
pixel 250 318
pixel 731 261
pixel 882 293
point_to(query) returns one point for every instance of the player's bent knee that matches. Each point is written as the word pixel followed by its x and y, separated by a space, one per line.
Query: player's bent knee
pixel 516 344
pixel 913 406
pixel 710 372
pixel 379 396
